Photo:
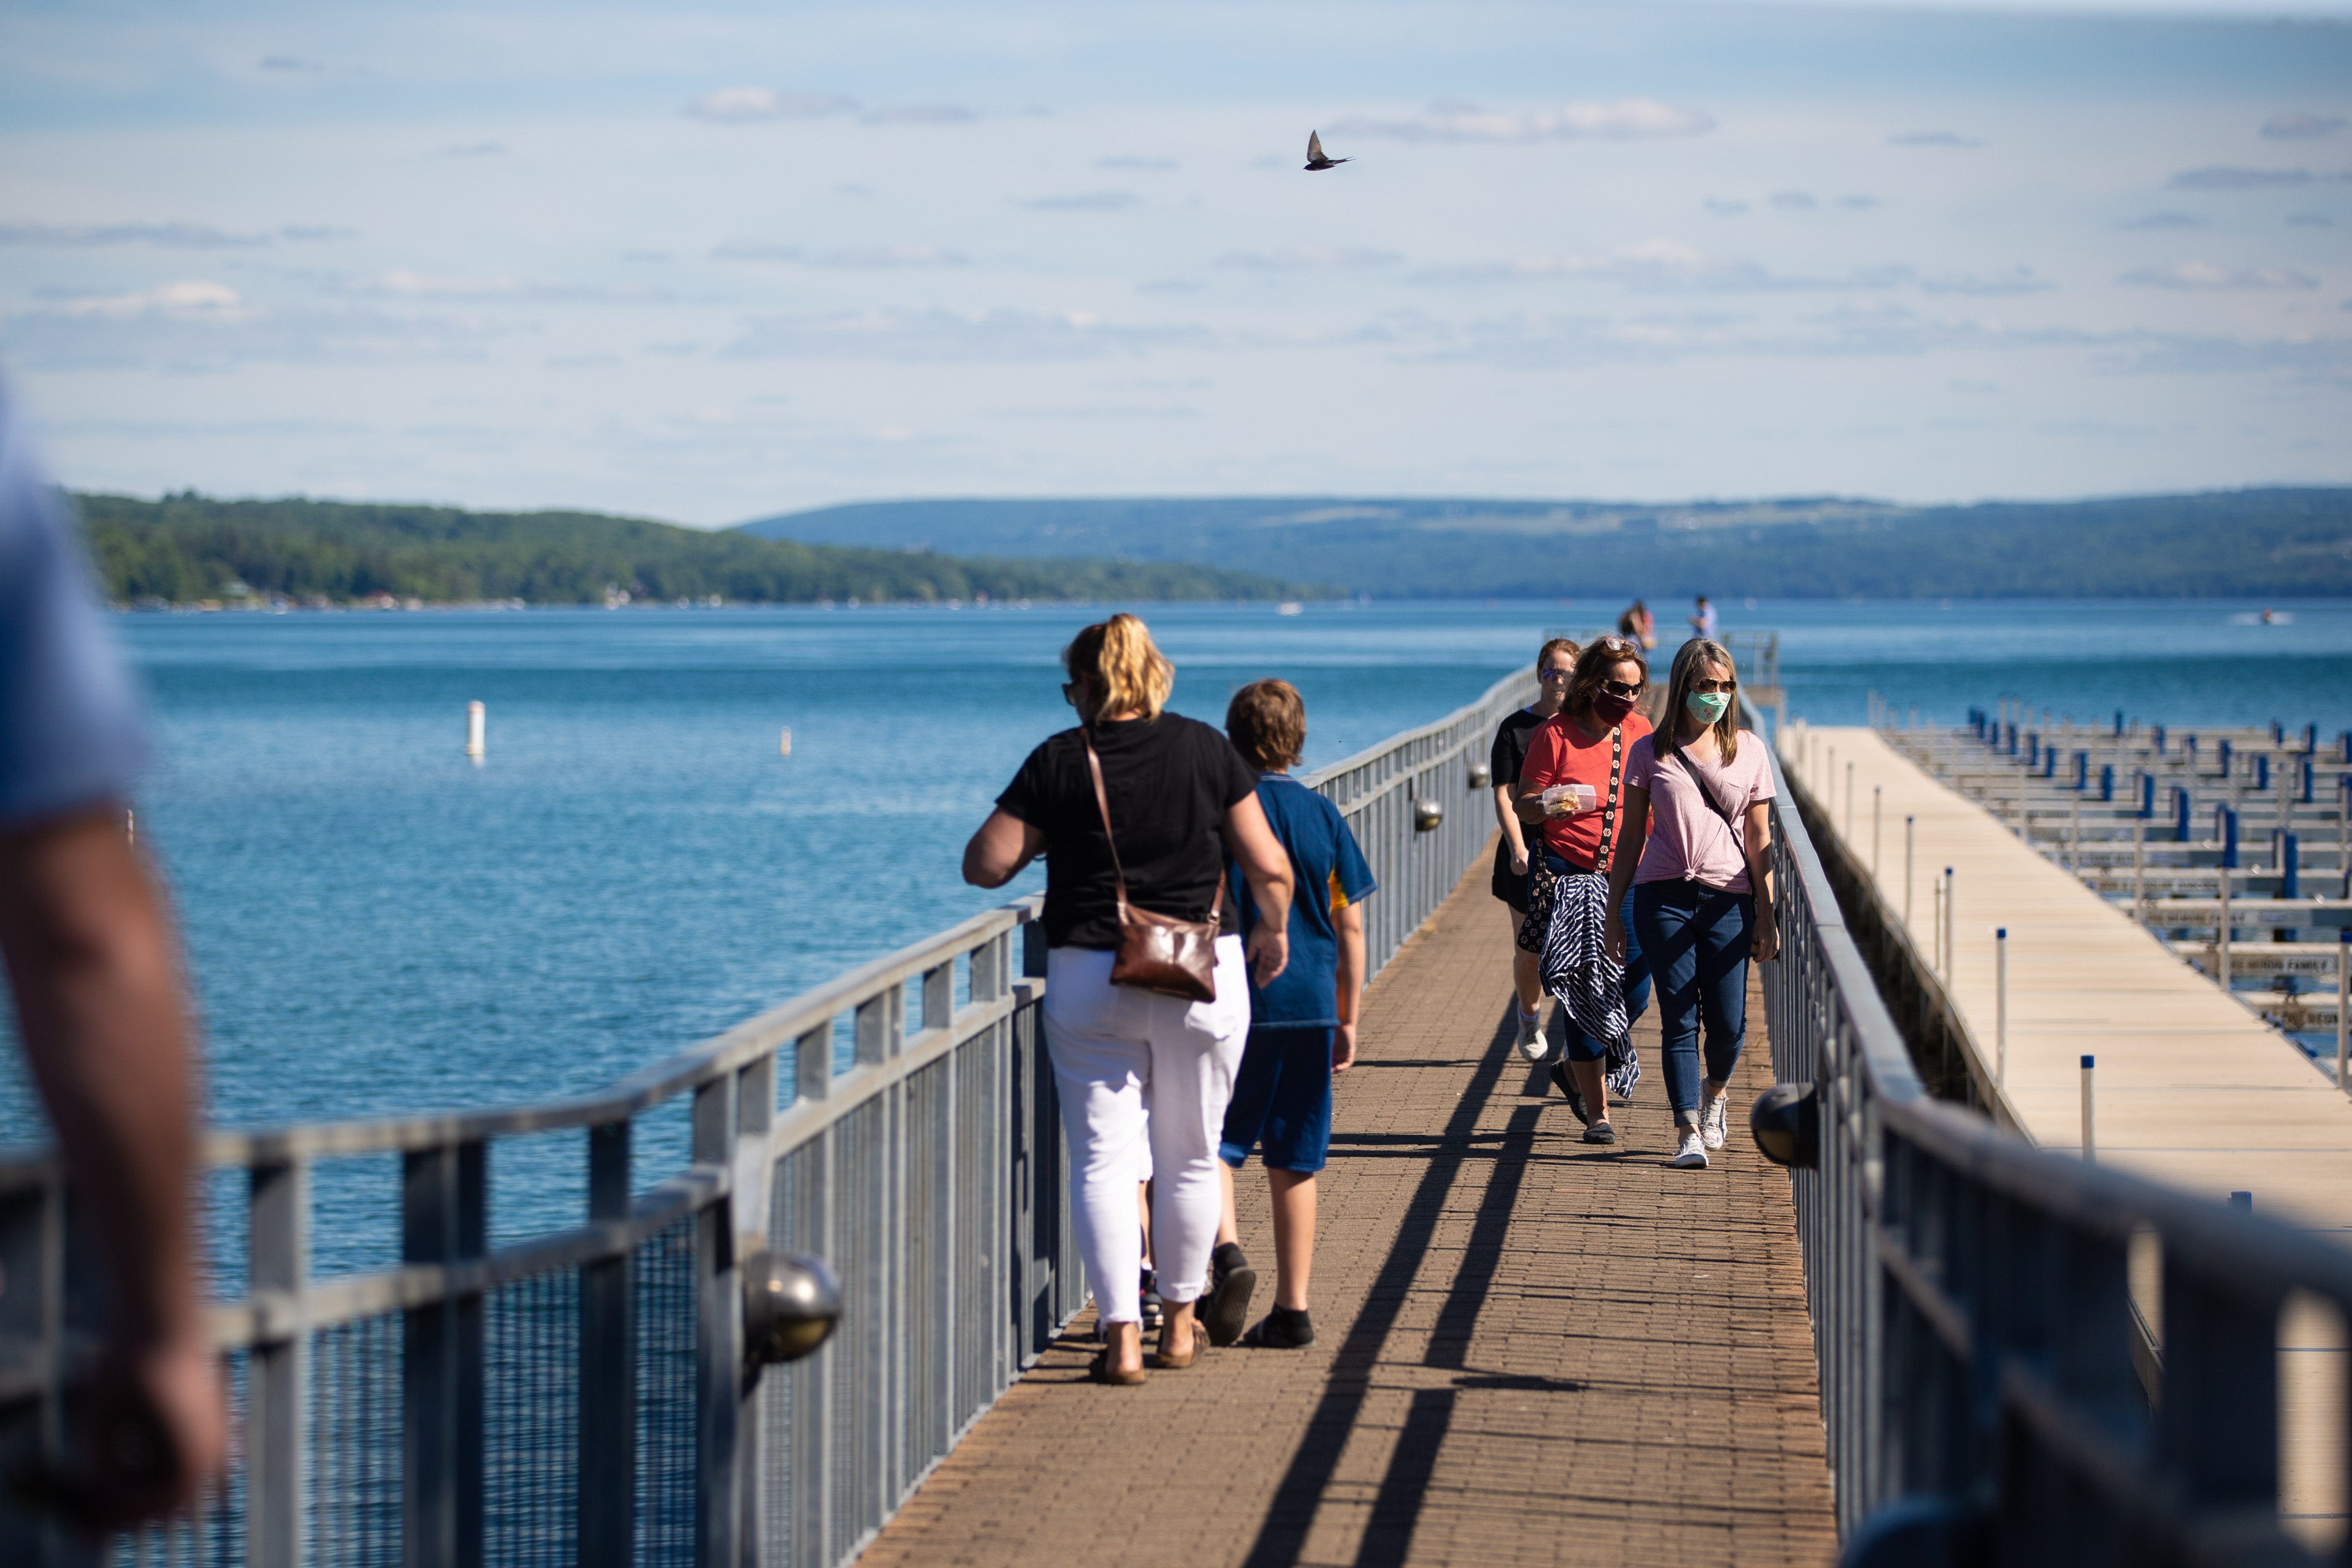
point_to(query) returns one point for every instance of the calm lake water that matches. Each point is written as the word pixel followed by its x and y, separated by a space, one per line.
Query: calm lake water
pixel 375 923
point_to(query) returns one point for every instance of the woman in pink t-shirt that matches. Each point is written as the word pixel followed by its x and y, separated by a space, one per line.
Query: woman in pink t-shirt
pixel 1698 788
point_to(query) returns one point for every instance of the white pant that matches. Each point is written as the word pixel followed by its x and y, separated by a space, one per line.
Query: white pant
pixel 1143 1081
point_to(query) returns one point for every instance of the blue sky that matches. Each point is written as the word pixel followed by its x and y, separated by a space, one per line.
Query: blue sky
pixel 707 262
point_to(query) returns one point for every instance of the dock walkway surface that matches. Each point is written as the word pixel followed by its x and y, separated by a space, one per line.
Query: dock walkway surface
pixel 1530 1350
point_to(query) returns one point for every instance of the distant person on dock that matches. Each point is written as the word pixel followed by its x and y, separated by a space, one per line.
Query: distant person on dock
pixel 1572 783
pixel 1555 662
pixel 1702 621
pixel 1302 1026
pixel 1638 623
pixel 104 1015
pixel 1140 807
pixel 1699 788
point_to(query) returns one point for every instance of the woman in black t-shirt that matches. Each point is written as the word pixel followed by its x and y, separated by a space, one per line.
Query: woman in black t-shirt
pixel 1554 663
pixel 1179 799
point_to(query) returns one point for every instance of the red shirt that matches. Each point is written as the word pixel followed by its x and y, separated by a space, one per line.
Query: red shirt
pixel 1559 753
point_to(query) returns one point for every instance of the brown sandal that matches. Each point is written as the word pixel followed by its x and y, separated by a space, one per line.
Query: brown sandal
pixel 1168 1359
pixel 1101 1371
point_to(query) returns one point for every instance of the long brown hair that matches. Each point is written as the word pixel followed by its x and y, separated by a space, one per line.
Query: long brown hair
pixel 1693 657
pixel 1126 668
pixel 1592 667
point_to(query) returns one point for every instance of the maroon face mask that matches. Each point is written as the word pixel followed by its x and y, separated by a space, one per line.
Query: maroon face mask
pixel 1611 710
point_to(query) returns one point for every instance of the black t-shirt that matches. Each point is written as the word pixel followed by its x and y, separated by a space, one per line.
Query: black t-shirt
pixel 1511 753
pixel 1170 781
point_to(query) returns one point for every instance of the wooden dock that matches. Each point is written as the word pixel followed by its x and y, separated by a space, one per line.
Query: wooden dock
pixel 2191 1087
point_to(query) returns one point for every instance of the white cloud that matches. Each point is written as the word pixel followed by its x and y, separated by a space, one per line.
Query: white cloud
pixel 2019 279
pixel 193 299
pixel 1664 266
pixel 1080 201
pixel 170 236
pixel 2206 275
pixel 1794 201
pixel 1309 258
pixel 922 114
pixel 1626 120
pixel 401 284
pixel 740 105
pixel 2297 127
pixel 878 258
pixel 949 337
pixel 1934 139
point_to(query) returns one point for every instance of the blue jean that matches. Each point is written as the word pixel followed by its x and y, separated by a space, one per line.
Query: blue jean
pixel 1579 1046
pixel 1698 937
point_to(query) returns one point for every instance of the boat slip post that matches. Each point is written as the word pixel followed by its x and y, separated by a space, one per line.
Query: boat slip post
pixel 1877 793
pixel 2090 1131
pixel 1951 924
pixel 476 725
pixel 2139 870
pixel 1910 834
pixel 2344 1007
pixel 2000 1006
pixel 2222 941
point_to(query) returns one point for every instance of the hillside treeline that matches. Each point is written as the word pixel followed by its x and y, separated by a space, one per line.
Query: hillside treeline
pixel 189 547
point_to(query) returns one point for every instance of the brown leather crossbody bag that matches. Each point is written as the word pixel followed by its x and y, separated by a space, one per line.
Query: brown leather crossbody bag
pixel 1157 953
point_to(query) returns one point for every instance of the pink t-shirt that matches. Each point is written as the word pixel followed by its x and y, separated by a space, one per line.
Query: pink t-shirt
pixel 1689 839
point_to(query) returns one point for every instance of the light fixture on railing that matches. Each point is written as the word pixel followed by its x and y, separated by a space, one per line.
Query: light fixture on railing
pixel 791 1303
pixel 1787 1125
pixel 1481 777
pixel 1426 815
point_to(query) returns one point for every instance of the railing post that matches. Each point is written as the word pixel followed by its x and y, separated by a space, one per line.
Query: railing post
pixel 718 1341
pixel 607 1498
pixel 277 1406
pixel 443 1204
pixel 747 1203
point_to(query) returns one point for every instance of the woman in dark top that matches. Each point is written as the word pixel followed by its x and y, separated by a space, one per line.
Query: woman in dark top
pixel 1143 1077
pixel 1555 662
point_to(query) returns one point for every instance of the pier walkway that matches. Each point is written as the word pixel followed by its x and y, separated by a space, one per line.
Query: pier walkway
pixel 1530 1350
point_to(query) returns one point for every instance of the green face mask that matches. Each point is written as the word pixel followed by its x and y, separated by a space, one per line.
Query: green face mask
pixel 1706 707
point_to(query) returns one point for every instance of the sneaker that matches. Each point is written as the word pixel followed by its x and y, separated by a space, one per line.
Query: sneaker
pixel 1148 1303
pixel 1710 1121
pixel 1532 1045
pixel 1281 1329
pixel 1692 1155
pixel 1566 1082
pixel 1224 1310
pixel 1600 1132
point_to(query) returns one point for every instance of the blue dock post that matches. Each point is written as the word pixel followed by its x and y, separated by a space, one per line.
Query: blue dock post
pixel 2179 813
pixel 2106 780
pixel 2311 740
pixel 2189 751
pixel 2290 857
pixel 2033 749
pixel 2302 792
pixel 2148 796
pixel 2119 724
pixel 2049 761
pixel 2012 739
pixel 2278 733
pixel 2225 760
pixel 2261 769
pixel 2225 830
pixel 2157 730
pixel 2344 747
pixel 2082 770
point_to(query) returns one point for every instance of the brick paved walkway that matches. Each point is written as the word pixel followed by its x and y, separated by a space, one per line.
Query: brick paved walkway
pixel 1530 1351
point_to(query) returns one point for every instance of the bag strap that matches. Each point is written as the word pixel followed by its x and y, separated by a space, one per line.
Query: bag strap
pixel 1699 781
pixel 1102 804
pixel 1609 812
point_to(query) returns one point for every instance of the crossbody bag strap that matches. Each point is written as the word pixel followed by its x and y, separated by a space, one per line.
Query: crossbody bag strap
pixel 1102 804
pixel 1609 812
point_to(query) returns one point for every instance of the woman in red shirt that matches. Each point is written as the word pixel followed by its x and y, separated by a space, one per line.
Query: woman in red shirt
pixel 1572 783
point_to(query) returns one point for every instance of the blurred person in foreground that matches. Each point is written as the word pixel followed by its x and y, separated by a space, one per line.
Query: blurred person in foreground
pixel 93 966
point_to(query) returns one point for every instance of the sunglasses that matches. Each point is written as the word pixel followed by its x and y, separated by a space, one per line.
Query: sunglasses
pixel 1715 688
pixel 1554 674
pixel 1622 688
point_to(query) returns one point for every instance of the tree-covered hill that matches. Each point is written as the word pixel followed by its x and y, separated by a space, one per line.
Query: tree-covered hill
pixel 189 547
pixel 2272 544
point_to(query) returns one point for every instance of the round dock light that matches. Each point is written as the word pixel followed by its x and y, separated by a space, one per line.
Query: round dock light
pixel 1481 777
pixel 791 1303
pixel 1787 1125
pixel 1426 815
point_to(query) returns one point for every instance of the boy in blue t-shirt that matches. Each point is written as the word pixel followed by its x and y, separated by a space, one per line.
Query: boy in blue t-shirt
pixel 1302 1027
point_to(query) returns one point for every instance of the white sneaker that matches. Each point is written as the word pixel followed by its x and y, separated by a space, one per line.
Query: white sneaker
pixel 1710 1121
pixel 1692 1155
pixel 1531 1042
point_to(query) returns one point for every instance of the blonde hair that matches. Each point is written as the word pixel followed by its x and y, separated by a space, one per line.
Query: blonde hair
pixel 1693 657
pixel 1118 659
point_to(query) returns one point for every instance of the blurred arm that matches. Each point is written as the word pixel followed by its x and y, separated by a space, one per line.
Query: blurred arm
pixel 1003 845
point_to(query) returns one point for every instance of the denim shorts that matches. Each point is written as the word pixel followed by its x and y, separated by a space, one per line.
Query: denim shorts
pixel 1282 1100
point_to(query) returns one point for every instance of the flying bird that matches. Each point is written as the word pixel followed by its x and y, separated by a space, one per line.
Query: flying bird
pixel 1315 159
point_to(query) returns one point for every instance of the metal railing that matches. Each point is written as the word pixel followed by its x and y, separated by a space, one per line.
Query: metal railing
pixel 585 1396
pixel 1972 1302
